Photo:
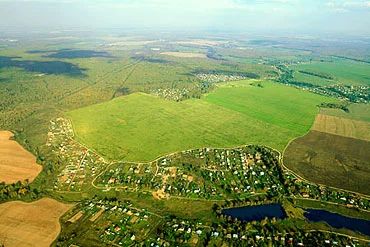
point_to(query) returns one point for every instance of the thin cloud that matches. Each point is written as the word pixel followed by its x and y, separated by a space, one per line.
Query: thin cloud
pixel 338 15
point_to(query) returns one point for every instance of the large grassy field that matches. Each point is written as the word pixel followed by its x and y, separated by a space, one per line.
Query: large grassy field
pixel 141 127
pixel 343 71
pixel 315 80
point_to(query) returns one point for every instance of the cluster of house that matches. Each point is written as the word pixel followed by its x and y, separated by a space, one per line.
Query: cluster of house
pixel 182 232
pixel 307 190
pixel 198 173
pixel 201 173
pixel 219 173
pixel 194 233
pixel 117 223
pixel 353 93
pixel 121 224
pixel 175 94
pixel 214 78
pixel 80 164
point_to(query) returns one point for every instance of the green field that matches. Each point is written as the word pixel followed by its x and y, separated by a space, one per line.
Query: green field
pixel 344 71
pixel 141 127
pixel 301 77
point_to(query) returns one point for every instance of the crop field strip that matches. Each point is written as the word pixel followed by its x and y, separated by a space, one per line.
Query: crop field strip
pixel 359 112
pixel 342 126
pixel 336 150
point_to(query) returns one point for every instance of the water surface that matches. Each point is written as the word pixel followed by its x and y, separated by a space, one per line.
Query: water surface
pixel 338 221
pixel 251 213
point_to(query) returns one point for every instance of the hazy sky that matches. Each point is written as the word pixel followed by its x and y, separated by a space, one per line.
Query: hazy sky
pixel 334 16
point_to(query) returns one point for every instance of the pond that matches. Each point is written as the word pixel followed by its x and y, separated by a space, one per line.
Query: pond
pixel 251 213
pixel 338 221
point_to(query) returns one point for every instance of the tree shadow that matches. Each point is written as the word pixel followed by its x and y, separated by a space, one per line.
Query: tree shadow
pixel 71 54
pixel 45 67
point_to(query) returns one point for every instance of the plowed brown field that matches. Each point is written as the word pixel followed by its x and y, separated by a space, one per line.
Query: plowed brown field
pixel 333 160
pixel 16 163
pixel 30 224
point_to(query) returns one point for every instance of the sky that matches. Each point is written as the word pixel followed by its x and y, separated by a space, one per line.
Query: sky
pixel 311 16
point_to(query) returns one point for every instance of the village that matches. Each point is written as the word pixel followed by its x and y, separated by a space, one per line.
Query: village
pixel 310 191
pixel 174 94
pixel 118 223
pixel 205 173
pixel 351 93
pixel 265 233
pixel 200 173
pixel 81 165
pixel 218 77
pixel 113 222
pixel 250 172
pixel 221 174
pixel 206 82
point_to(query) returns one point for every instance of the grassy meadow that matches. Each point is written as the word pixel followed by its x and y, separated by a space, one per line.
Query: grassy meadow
pixel 141 127
pixel 343 71
pixel 301 77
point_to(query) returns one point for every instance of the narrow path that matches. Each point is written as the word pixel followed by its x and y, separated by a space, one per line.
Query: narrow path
pixel 156 172
pixel 127 77
pixel 78 168
pixel 342 234
pixel 99 79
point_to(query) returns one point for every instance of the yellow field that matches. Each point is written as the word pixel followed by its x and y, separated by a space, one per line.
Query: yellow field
pixel 200 42
pixel 342 126
pixel 30 224
pixel 16 163
pixel 185 54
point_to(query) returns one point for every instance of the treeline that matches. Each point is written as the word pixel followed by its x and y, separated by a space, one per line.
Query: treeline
pixel 353 59
pixel 18 190
pixel 285 74
pixel 342 107
pixel 321 75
